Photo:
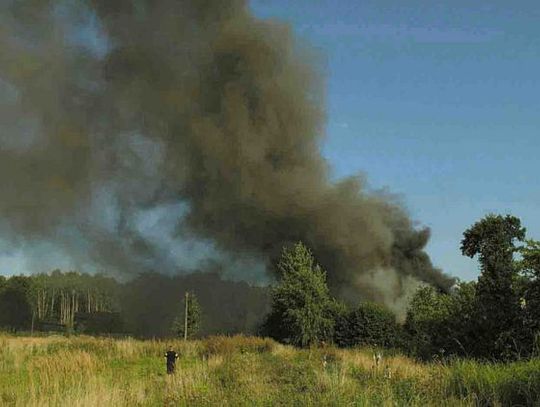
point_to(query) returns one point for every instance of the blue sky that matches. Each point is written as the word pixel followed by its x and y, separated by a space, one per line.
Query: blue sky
pixel 436 100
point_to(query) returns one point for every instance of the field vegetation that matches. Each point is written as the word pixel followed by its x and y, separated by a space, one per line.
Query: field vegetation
pixel 245 371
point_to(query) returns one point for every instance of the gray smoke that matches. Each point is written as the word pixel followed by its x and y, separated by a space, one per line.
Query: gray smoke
pixel 198 114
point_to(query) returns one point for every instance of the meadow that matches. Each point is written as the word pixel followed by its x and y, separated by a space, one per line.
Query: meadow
pixel 245 371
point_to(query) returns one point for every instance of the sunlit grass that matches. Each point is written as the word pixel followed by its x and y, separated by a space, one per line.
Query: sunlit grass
pixel 244 371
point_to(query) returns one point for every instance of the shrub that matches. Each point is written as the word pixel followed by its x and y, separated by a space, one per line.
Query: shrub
pixel 369 324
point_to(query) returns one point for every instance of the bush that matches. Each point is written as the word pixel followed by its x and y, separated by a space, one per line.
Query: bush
pixel 443 325
pixel 367 325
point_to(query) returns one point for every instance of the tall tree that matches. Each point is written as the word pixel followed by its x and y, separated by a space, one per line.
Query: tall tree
pixel 302 308
pixel 493 240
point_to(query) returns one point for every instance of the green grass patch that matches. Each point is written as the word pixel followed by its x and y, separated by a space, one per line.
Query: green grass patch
pixel 243 371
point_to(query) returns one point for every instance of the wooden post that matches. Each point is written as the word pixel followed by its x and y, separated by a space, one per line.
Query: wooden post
pixel 186 316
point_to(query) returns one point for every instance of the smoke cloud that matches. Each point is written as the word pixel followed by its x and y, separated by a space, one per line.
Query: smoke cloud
pixel 136 134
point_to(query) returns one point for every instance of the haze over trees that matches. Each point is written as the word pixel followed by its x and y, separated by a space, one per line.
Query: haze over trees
pixel 145 306
pixel 495 318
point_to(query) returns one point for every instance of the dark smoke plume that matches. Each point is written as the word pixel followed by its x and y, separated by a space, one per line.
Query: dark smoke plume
pixel 112 109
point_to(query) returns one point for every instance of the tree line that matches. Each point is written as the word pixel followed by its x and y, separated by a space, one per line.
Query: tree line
pixel 496 317
pixel 149 305
pixel 53 301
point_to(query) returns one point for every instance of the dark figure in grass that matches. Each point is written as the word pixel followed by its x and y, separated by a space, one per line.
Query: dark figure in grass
pixel 171 356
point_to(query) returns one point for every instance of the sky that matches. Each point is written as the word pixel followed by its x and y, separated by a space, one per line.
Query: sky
pixel 437 101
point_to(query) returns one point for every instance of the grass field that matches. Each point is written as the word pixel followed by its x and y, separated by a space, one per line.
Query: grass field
pixel 243 371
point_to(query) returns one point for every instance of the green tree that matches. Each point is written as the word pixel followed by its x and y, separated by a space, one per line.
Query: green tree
pixel 498 310
pixel 461 324
pixel 302 309
pixel 442 324
pixel 529 266
pixel 194 317
pixel 530 262
pixel 426 322
pixel 368 324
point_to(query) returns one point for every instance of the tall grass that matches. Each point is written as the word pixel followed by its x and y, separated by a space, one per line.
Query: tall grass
pixel 244 371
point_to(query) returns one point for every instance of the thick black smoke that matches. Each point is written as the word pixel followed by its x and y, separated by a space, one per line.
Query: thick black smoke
pixel 110 108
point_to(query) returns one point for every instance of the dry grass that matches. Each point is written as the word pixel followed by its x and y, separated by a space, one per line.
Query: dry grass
pixel 238 371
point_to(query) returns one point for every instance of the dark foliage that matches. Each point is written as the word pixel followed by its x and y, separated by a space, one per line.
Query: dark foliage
pixel 369 324
pixel 99 322
pixel 529 268
pixel 499 320
pixel 440 324
pixel 152 301
pixel 496 318
pixel 15 309
pixel 144 307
